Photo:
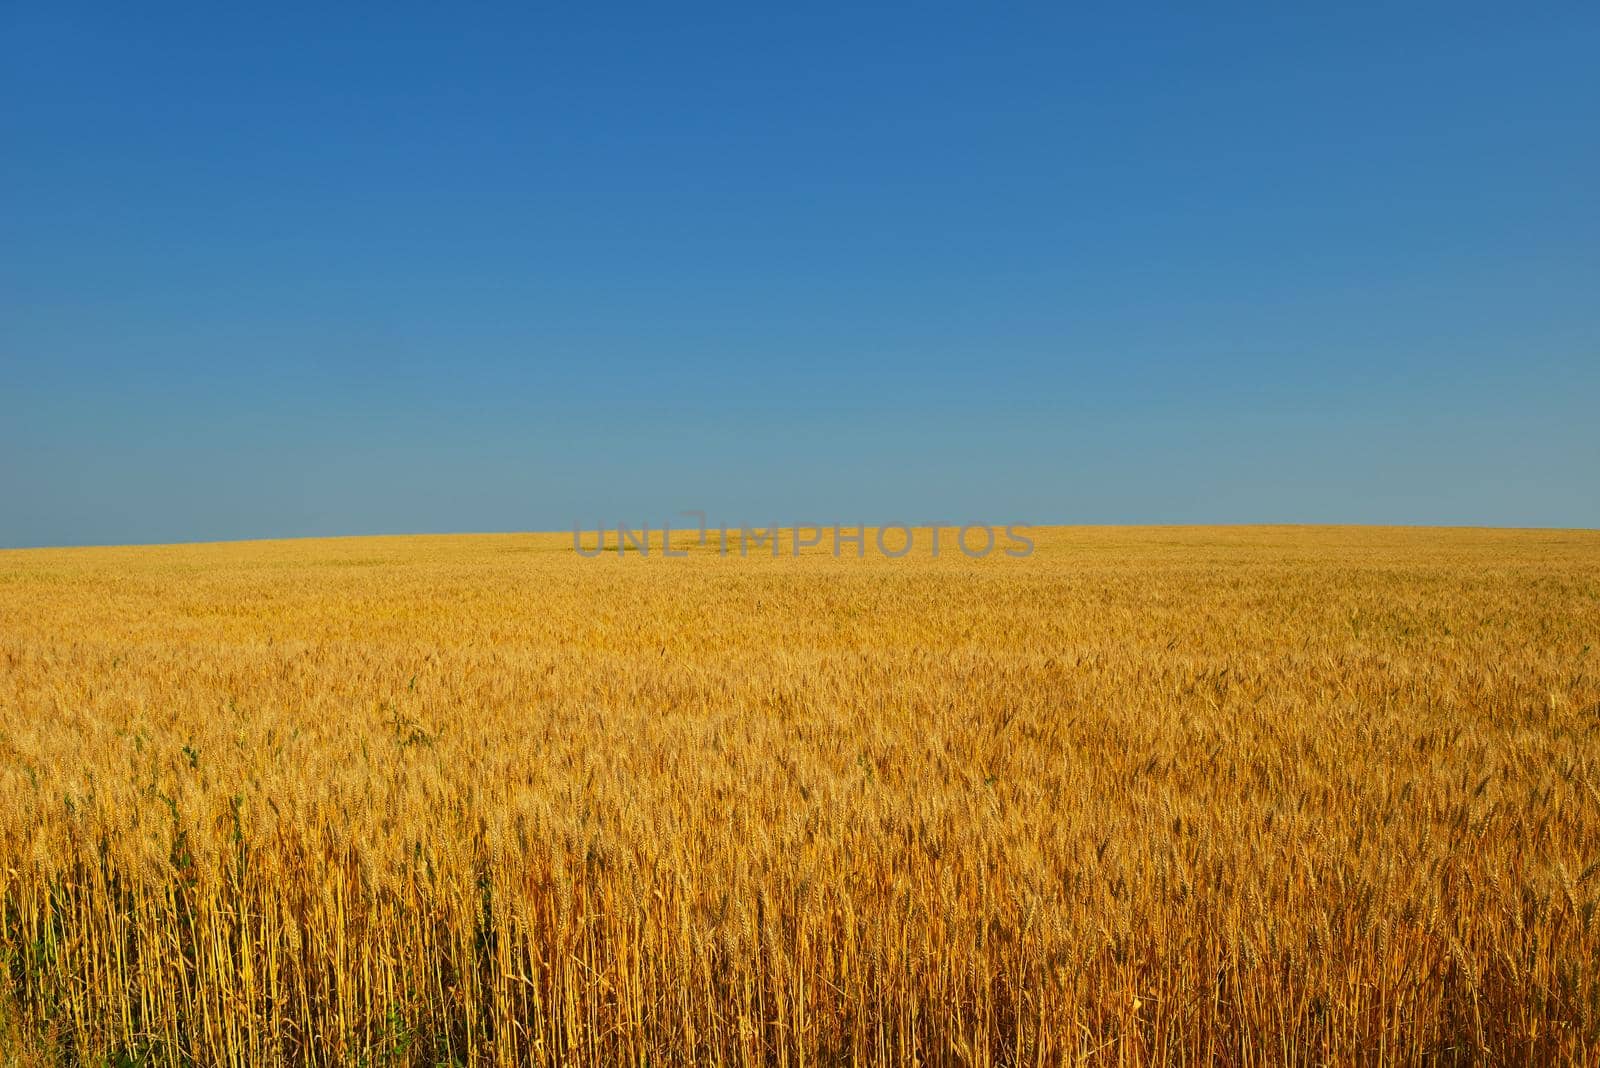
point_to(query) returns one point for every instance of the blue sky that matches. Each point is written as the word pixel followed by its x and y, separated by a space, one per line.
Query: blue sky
pixel 296 271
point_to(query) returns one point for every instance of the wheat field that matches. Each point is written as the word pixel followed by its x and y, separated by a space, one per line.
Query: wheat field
pixel 1149 796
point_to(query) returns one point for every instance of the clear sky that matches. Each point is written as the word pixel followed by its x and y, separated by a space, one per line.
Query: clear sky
pixel 320 270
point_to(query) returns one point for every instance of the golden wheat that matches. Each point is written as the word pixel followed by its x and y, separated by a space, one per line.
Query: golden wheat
pixel 1148 796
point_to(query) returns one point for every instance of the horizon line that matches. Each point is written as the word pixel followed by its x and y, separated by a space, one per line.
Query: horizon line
pixel 922 526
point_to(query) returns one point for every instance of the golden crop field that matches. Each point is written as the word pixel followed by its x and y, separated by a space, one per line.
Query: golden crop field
pixel 1148 796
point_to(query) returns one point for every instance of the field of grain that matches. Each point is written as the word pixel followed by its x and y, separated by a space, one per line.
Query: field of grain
pixel 1148 796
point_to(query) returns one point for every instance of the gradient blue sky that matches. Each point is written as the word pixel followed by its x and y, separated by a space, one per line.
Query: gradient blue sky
pixel 451 267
